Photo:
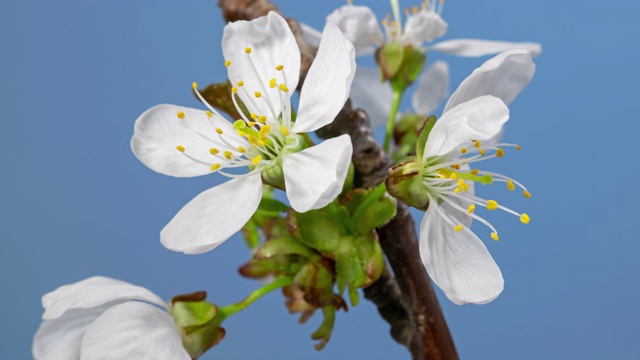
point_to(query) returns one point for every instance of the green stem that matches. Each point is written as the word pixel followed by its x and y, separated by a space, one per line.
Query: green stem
pixel 226 311
pixel 395 104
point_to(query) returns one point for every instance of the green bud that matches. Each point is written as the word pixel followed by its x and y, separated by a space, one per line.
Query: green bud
pixel 405 183
pixel 400 64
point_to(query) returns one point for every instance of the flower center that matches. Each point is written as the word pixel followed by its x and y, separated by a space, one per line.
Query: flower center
pixel 259 139
pixel 393 27
pixel 447 179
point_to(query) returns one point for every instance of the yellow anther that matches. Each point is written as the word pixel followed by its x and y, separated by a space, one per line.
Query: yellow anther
pixel 510 185
pixel 242 133
pixel 214 151
pixel 241 149
pixel 279 67
pixel 407 11
pixel 465 187
pixel 461 183
pixel 215 167
pixel 482 152
pixel 471 208
pixel 253 116
pixel 258 94
pixel 252 140
pixel 474 171
pixel 247 50
pixel 272 83
pixel 209 114
pixel 415 9
pixel 284 130
pixel 256 160
pixel 194 85
pixel 455 166
pixel 385 22
pixel 262 119
pixel 219 131
pixel 524 218
pixel 495 236
pixel 477 144
pixel 261 143
pixel 499 152
pixel 526 194
pixel 518 147
pixel 180 115
pixel 284 88
pixel 228 155
pixel 180 148
pixel 234 90
pixel 457 227
pixel 227 63
pixel 240 83
pixel 252 124
pixel 457 190
pixel 453 176
pixel 492 205
pixel 463 150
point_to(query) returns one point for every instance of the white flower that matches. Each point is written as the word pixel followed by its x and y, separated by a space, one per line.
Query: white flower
pixel 101 318
pixel 263 62
pixel 467 133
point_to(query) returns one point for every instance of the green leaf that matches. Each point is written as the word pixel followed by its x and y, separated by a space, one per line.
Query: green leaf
pixel 318 230
pixel 423 135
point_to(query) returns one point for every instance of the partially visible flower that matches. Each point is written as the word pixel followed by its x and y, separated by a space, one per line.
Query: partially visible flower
pixel 263 62
pixel 102 318
pixel 442 180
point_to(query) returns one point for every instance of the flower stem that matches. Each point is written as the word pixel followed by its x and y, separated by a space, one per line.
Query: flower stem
pixel 226 311
pixel 395 104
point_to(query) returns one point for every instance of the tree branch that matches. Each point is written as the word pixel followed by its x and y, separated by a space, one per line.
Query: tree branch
pixel 407 301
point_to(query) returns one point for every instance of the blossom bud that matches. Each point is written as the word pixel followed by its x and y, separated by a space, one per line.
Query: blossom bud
pixel 400 64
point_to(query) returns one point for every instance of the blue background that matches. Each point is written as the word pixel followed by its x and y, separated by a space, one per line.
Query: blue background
pixel 75 202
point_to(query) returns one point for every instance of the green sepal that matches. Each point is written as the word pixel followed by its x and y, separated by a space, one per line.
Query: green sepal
pixel 423 135
pixel 202 339
pixel 316 280
pixel 359 263
pixel 193 313
pixel 284 246
pixel 323 333
pixel 373 210
pixel 414 60
pixel 275 265
pixel 317 229
pixel 348 181
pixel 250 234
pixel 390 58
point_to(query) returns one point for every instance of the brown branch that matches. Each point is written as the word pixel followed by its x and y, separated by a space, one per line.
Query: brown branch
pixel 407 301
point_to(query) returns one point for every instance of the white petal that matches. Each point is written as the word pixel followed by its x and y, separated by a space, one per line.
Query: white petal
pixel 272 44
pixel 481 119
pixel 475 47
pixel 433 89
pixel 93 292
pixel 371 94
pixel 213 216
pixel 327 85
pixel 61 338
pixel 315 176
pixel 424 27
pixel 133 331
pixel 503 76
pixel 311 35
pixel 158 131
pixel 360 25
pixel 458 262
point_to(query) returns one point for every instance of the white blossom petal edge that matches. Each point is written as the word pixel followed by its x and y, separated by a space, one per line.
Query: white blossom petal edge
pixel 97 311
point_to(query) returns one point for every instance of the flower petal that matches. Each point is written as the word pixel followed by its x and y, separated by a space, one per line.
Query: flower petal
pixel 327 85
pixel 133 331
pixel 360 25
pixel 433 89
pixel 272 44
pixel 475 47
pixel 458 262
pixel 213 216
pixel 424 27
pixel 372 95
pixel 158 131
pixel 93 292
pixel 314 177
pixel 503 76
pixel 61 338
pixel 480 119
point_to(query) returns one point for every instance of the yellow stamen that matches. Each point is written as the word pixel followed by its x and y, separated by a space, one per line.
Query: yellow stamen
pixel 284 88
pixel 258 94
pixel 453 176
pixel 241 149
pixel 510 185
pixel 261 143
pixel 247 50
pixel 209 114
pixel 234 90
pixel 215 167
pixel 256 160
pixel 499 152
pixel 279 67
pixel 482 152
pixel 415 9
pixel 457 190
pixel 461 183
pixel 253 116
pixel 477 144
pixel 471 208
pixel 228 155
pixel 241 133
pixel 252 124
pixel 214 151
pixel 227 63
pixel 180 148
pixel 252 140
pixel 492 205
pixel 457 227
pixel 240 83
pixel 474 171
pixel 455 166
pixel 463 150
pixel 526 194
pixel 495 236
pixel 284 130
pixel 262 119
pixel 219 131
pixel 194 85
pixel 181 115
pixel 407 11
pixel 524 218
pixel 518 147
pixel 272 83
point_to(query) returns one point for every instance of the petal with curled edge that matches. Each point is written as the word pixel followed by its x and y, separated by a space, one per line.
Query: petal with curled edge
pixel 314 177
pixel 424 27
pixel 503 76
pixel 213 216
pixel 476 47
pixel 360 25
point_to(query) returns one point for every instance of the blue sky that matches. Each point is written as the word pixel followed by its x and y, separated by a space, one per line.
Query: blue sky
pixel 76 203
